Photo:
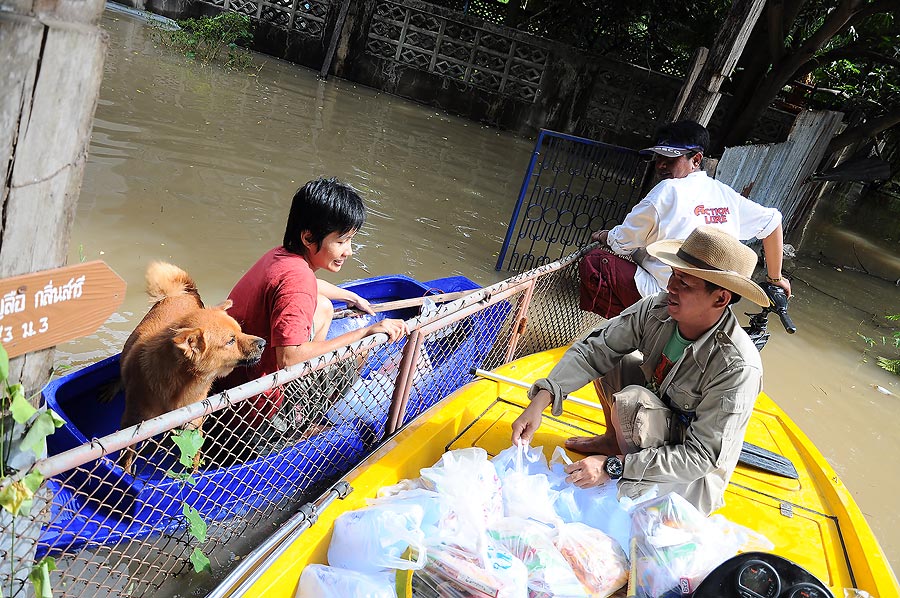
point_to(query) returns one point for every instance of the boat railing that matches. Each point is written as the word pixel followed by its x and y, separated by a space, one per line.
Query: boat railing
pixel 268 447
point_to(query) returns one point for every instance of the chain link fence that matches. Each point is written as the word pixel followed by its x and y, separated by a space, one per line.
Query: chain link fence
pixel 268 447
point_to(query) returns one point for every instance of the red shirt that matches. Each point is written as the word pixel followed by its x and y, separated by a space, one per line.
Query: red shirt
pixel 275 300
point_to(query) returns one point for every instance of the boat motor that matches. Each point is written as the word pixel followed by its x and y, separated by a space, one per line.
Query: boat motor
pixel 778 303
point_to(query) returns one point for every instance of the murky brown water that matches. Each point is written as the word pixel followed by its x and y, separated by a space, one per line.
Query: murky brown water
pixel 197 165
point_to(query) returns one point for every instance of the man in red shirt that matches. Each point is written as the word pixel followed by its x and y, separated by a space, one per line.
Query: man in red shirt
pixel 281 300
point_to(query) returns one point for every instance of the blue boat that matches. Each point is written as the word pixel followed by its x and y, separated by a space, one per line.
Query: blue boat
pixel 110 505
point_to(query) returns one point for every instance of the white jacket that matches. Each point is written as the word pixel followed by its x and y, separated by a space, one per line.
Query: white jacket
pixel 674 208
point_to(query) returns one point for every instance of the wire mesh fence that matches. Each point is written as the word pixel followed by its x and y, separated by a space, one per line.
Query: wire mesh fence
pixel 214 479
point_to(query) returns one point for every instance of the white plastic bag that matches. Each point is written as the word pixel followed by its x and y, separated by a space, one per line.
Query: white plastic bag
pixel 451 572
pixel 368 399
pixel 374 538
pixel 470 479
pixel 549 574
pixel 598 507
pixel 676 546
pixel 440 522
pixel 322 581
pixel 598 561
pixel 525 494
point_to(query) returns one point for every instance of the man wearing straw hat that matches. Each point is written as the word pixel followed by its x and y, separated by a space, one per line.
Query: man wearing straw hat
pixel 676 418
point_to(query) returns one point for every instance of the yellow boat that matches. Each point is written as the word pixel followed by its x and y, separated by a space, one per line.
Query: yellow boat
pixel 813 521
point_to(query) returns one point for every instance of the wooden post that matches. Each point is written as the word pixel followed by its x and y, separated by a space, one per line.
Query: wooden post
pixel 335 37
pixel 726 50
pixel 53 54
pixel 698 61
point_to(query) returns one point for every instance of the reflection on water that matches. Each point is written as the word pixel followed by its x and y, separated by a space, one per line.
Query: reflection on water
pixel 197 166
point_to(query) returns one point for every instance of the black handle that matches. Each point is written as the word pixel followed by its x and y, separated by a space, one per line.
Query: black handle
pixel 787 322
pixel 779 305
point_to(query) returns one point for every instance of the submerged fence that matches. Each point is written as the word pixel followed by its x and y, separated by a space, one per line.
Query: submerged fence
pixel 269 447
pixel 572 187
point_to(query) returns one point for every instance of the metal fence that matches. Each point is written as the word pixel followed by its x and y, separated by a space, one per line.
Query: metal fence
pixel 270 446
pixel 573 187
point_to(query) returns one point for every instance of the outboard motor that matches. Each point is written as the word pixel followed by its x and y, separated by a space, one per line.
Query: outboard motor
pixel 757 329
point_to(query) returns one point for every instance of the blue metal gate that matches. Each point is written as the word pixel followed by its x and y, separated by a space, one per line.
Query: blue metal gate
pixel 573 187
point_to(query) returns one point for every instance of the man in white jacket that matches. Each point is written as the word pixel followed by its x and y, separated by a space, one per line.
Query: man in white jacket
pixel 620 272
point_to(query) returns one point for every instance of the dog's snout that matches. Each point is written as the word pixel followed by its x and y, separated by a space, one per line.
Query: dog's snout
pixel 259 343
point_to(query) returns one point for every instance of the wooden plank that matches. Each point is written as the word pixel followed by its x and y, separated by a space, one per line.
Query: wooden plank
pixel 43 309
pixel 53 61
pixel 50 151
pixel 723 56
pixel 20 46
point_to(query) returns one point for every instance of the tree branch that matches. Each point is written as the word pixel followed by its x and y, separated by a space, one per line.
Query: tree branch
pixel 856 50
pixel 870 128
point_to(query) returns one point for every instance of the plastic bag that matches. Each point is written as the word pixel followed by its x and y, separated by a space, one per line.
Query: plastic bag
pixel 597 507
pixel 549 574
pixel 440 522
pixel 451 572
pixel 598 561
pixel 525 495
pixel 470 479
pixel 322 581
pixel 676 546
pixel 368 399
pixel 374 538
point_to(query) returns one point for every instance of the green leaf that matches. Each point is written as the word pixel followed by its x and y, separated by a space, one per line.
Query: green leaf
pixel 199 560
pixel 189 443
pixel 197 525
pixel 4 363
pixel 33 481
pixel 21 409
pixel 36 436
pixel 40 577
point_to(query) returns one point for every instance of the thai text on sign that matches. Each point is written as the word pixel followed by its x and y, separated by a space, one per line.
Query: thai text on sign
pixel 43 309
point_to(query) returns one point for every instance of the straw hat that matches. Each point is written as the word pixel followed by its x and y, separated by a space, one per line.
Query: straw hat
pixel 714 255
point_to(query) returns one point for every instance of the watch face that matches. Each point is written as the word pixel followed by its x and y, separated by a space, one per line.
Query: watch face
pixel 613 467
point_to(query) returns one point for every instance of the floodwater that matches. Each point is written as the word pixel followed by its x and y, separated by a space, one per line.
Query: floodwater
pixel 197 165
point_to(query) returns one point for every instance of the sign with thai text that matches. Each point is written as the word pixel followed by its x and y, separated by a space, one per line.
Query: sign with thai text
pixel 43 309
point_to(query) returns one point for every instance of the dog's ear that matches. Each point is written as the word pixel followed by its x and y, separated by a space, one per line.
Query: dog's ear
pixel 225 305
pixel 190 341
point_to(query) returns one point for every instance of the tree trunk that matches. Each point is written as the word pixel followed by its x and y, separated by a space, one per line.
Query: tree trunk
pixel 53 55
pixel 784 69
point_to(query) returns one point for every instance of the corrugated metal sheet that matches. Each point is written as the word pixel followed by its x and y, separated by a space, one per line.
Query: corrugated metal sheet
pixel 777 175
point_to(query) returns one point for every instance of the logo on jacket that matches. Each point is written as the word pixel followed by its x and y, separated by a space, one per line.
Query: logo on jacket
pixel 712 215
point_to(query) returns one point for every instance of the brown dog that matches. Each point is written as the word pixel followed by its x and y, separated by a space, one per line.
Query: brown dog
pixel 178 350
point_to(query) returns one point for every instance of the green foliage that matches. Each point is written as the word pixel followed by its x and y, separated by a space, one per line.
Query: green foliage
pixel 189 443
pixel 891 364
pixel 204 39
pixel 199 561
pixel 40 577
pixel 196 523
pixel 17 496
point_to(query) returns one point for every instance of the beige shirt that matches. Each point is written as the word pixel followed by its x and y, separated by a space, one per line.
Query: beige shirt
pixel 717 379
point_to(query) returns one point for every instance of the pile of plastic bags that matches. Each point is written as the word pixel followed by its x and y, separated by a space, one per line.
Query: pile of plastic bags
pixel 512 527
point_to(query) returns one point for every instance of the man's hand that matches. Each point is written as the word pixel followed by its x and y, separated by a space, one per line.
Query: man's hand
pixel 785 284
pixel 601 235
pixel 395 329
pixel 588 472
pixel 526 425
pixel 360 303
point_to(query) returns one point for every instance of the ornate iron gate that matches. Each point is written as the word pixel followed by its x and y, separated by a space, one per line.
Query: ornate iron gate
pixel 573 187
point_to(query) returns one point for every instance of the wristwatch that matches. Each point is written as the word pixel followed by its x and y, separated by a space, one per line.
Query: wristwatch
pixel 613 467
